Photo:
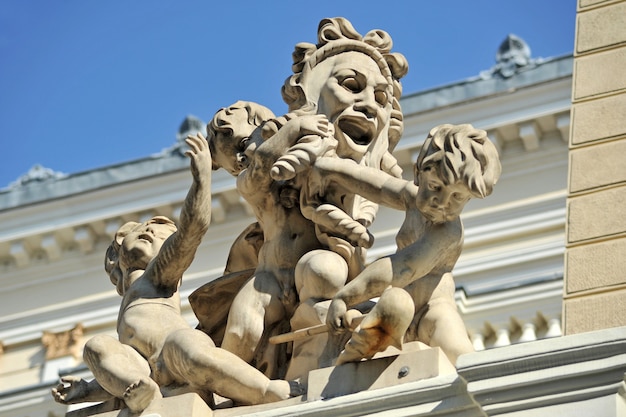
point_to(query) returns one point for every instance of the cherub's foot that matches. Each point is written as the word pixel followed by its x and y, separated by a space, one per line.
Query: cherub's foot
pixel 278 390
pixel 296 389
pixel 358 347
pixel 140 394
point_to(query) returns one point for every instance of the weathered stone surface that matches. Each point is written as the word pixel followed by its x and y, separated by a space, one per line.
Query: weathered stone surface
pixel 594 266
pixel 589 3
pixel 577 375
pixel 594 312
pixel 184 405
pixel 599 73
pixel 601 27
pixel 596 215
pixel 598 119
pixel 414 363
pixel 597 166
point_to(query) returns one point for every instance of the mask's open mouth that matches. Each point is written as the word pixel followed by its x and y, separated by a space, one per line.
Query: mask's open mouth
pixel 359 130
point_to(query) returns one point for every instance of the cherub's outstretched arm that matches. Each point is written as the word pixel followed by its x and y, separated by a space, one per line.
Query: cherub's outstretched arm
pixel 370 183
pixel 179 249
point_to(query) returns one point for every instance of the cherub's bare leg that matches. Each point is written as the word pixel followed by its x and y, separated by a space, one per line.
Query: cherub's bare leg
pixel 121 371
pixel 442 324
pixel 319 275
pixel 256 306
pixel 190 356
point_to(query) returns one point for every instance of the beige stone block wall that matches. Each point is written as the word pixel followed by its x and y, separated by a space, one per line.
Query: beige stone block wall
pixel 595 261
pixel 587 3
pixel 600 27
pixel 601 73
pixel 598 120
pixel 595 266
pixel 596 216
pixel 597 166
pixel 595 311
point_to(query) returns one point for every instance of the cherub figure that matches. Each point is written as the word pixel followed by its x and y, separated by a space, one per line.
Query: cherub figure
pixel 247 144
pixel 157 351
pixel 455 164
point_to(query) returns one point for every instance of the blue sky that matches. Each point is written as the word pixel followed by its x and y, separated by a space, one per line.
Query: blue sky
pixel 85 84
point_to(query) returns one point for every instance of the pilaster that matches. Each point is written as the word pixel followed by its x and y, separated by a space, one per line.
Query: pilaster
pixel 595 280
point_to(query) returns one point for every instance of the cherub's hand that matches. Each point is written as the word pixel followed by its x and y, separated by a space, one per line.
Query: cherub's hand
pixel 314 134
pixel 316 124
pixel 70 390
pixel 335 316
pixel 200 156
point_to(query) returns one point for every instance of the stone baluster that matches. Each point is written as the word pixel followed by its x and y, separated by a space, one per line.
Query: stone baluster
pixel 502 338
pixel 478 341
pixel 554 328
pixel 528 333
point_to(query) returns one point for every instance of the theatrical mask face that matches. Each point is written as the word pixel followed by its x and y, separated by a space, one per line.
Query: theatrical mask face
pixel 356 98
pixel 232 151
pixel 144 242
pixel 437 201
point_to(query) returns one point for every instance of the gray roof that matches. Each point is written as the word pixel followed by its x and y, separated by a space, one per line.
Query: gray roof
pixel 487 84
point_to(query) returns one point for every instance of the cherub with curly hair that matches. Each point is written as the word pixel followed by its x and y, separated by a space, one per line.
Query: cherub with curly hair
pixel 455 164
pixel 157 352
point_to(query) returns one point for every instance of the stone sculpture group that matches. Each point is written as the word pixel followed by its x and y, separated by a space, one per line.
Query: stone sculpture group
pixel 314 178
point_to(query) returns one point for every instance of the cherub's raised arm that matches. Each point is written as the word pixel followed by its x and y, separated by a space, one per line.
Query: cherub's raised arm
pixel 371 183
pixel 179 249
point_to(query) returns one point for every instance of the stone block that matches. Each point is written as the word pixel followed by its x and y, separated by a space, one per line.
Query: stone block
pixel 599 73
pixel 601 27
pixel 184 405
pixel 596 215
pixel 385 371
pixel 588 3
pixel 598 119
pixel 596 265
pixel 597 166
pixel 594 312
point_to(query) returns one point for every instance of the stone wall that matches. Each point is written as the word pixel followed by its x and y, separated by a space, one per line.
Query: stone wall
pixel 595 265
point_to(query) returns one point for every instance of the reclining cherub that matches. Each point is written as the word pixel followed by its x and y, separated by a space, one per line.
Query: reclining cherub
pixel 157 351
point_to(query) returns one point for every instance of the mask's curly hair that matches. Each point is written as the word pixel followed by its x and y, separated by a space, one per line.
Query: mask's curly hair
pixel 461 153
pixel 335 36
